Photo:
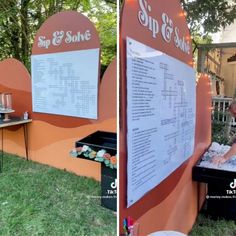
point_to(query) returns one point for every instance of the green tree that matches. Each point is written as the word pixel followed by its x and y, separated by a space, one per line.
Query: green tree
pixel 20 20
pixel 209 15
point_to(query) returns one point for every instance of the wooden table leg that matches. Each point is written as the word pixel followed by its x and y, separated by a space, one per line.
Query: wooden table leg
pixel 26 141
pixel 1 170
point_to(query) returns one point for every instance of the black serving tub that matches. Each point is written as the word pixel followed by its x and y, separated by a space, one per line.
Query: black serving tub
pixel 100 140
pixel 213 176
pixel 221 197
pixel 108 141
pixel 109 188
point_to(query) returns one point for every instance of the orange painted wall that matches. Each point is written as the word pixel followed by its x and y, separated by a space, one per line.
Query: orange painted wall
pixel 50 144
pixel 172 205
pixel 51 137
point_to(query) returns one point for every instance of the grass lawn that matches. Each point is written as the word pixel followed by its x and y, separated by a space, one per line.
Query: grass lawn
pixel 206 227
pixel 40 200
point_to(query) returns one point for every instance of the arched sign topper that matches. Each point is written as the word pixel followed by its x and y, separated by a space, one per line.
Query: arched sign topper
pixel 166 27
pixel 59 36
pixel 66 31
pixel 65 67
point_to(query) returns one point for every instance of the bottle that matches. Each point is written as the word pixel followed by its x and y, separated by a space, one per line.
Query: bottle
pixel 8 101
pixel 26 115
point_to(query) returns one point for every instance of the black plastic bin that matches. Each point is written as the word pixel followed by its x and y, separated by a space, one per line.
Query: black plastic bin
pixel 219 203
pixel 221 197
pixel 100 140
pixel 109 188
pixel 108 141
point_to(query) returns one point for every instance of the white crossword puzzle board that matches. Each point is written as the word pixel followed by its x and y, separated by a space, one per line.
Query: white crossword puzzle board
pixel 161 104
pixel 66 83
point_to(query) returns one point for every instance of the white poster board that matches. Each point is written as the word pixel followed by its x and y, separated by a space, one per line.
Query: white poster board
pixel 161 103
pixel 66 83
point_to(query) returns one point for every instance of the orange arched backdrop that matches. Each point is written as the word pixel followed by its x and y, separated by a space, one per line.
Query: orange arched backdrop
pixel 65 21
pixel 172 205
pixel 51 137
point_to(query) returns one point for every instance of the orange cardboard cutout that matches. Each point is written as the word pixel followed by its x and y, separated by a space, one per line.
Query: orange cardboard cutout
pixel 51 137
pixel 50 144
pixel 63 32
pixel 162 26
pixel 108 93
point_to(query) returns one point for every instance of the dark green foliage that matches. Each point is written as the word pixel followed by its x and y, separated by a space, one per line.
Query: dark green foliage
pixel 20 20
pixel 219 129
pixel 39 200
pixel 218 133
pixel 210 15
